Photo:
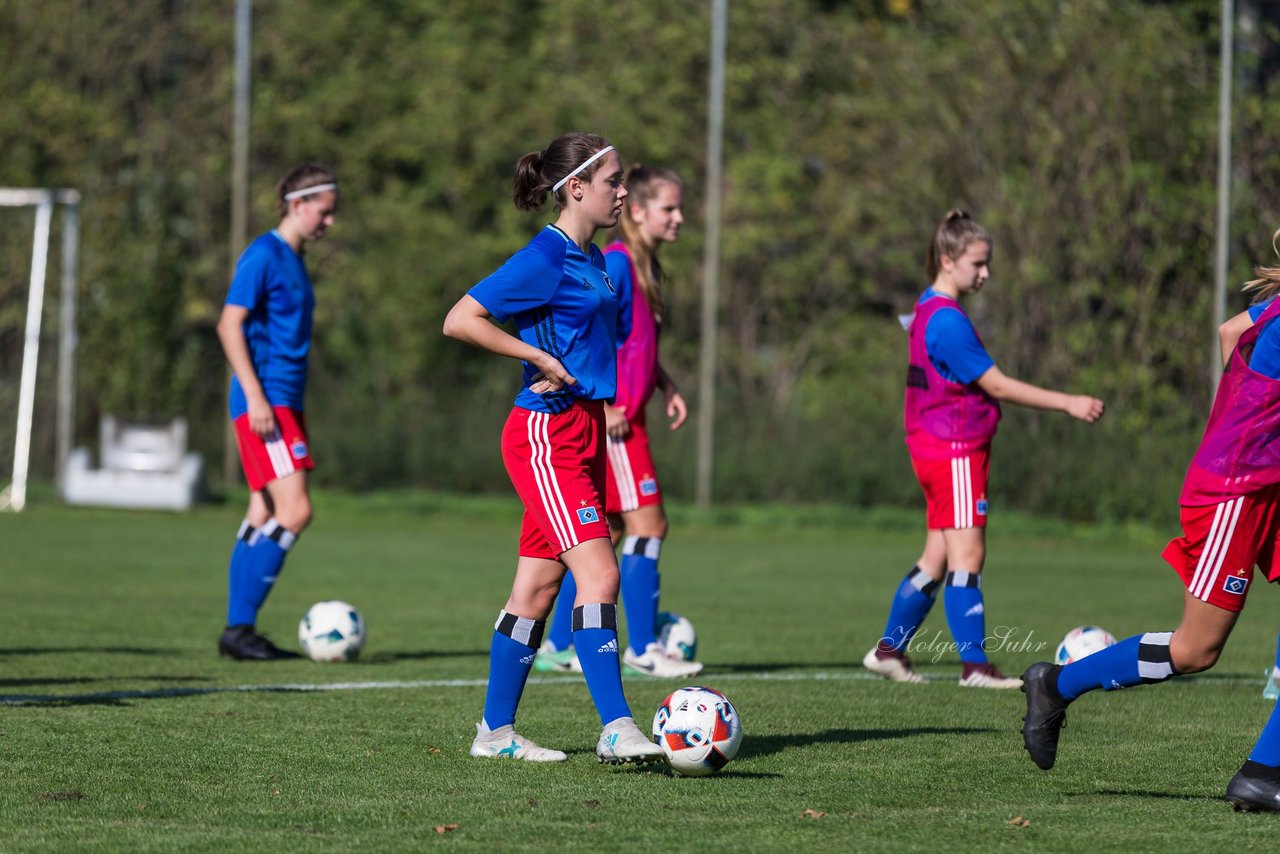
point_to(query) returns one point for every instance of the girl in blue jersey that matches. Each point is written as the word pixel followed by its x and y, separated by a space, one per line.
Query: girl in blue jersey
pixel 564 308
pixel 951 411
pixel 265 330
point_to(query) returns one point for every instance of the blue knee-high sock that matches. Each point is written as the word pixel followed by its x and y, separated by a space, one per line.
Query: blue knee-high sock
pixel 966 616
pixel 1139 660
pixel 238 611
pixel 639 571
pixel 264 558
pixel 1267 749
pixel 561 634
pixel 911 603
pixel 511 652
pixel 595 637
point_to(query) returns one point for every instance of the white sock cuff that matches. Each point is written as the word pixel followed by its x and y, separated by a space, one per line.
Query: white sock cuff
pixel 284 538
pixel 650 547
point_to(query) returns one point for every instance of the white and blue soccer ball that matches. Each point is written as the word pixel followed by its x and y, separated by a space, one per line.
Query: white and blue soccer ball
pixel 698 730
pixel 331 631
pixel 1082 641
pixel 676 636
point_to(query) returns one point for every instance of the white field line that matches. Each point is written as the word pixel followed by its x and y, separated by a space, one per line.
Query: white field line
pixel 314 687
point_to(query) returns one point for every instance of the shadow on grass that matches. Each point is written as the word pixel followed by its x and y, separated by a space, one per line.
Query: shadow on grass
pixel 780 666
pixel 1144 793
pixel 764 745
pixel 727 774
pixel 63 650
pixel 82 680
pixel 394 656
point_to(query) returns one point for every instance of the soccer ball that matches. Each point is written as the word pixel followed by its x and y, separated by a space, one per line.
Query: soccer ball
pixel 676 636
pixel 331 631
pixel 698 730
pixel 1082 641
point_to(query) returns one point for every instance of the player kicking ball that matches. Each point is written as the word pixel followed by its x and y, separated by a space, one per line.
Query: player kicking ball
pixel 1230 509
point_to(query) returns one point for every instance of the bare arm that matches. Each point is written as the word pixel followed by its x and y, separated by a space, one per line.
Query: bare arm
pixel 677 410
pixel 468 321
pixel 262 418
pixel 1080 406
pixel 1229 333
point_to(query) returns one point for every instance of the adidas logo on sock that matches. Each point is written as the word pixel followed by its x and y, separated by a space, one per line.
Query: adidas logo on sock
pixel 974 611
pixel 528 659
pixel 611 646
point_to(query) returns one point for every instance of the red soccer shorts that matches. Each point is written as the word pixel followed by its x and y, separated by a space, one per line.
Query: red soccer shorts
pixel 955 490
pixel 632 481
pixel 1221 544
pixel 281 453
pixel 556 463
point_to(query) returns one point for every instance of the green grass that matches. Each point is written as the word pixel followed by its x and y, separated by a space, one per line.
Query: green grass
pixel 134 736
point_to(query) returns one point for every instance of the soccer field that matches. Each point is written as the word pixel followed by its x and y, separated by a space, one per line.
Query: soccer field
pixel 121 729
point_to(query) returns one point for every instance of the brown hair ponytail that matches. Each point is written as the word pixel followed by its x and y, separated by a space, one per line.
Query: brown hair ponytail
pixel 953 235
pixel 300 178
pixel 538 171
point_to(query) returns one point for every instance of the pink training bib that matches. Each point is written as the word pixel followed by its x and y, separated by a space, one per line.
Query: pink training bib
pixel 1240 451
pixel 944 419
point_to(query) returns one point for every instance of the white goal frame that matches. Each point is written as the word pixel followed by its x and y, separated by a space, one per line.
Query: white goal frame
pixel 14 496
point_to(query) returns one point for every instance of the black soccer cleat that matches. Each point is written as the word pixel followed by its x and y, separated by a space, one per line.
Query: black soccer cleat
pixel 244 644
pixel 1253 794
pixel 1046 713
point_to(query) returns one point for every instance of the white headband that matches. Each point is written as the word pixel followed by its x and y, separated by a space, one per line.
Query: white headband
pixel 309 191
pixel 592 159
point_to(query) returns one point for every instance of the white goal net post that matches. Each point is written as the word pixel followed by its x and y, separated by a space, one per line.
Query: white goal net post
pixel 44 201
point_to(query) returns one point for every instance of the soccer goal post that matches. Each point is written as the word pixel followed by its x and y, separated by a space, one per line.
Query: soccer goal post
pixel 14 496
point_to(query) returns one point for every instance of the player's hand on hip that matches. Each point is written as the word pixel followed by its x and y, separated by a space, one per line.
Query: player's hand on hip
pixel 1085 408
pixel 551 376
pixel 677 411
pixel 262 418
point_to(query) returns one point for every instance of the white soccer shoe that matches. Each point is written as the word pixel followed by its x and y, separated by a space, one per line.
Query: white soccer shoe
pixel 894 667
pixel 505 742
pixel 987 676
pixel 659 664
pixel 622 742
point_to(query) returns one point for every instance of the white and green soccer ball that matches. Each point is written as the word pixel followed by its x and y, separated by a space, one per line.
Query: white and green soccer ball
pixel 1082 641
pixel 331 631
pixel 676 635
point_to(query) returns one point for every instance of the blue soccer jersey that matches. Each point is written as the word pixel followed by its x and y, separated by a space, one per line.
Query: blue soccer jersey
pixel 1265 358
pixel 272 283
pixel 618 266
pixel 562 302
pixel 953 345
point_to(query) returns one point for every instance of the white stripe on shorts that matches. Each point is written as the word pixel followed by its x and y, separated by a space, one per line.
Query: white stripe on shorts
pixel 545 477
pixel 962 492
pixel 278 453
pixel 620 465
pixel 1215 548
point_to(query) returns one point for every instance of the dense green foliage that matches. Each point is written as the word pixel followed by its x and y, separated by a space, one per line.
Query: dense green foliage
pixel 124 732
pixel 1081 132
